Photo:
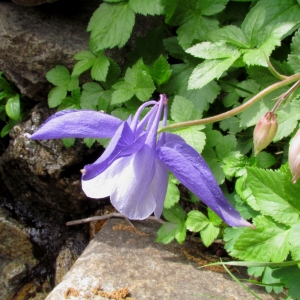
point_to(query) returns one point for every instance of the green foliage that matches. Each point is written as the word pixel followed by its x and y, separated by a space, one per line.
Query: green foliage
pixel 208 60
pixel 11 107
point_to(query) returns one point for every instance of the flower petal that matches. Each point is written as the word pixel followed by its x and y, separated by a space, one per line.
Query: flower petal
pixel 122 144
pixel 78 124
pixel 131 190
pixel 189 167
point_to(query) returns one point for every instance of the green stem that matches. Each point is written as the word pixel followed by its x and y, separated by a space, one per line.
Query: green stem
pixel 236 110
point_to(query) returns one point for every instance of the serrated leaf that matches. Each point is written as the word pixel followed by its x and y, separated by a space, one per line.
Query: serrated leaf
pixel 210 50
pixel 84 55
pixel 110 26
pixel 275 195
pixel 161 71
pixel 182 110
pixel 58 76
pixel 73 84
pixel 209 70
pixel 231 124
pixel 253 23
pixel 225 145
pixel 124 92
pixel 268 242
pixel 213 217
pixel 178 85
pixel 56 95
pixel 173 194
pixel 264 160
pixel 68 142
pixel 294 56
pixel 294 241
pixel 146 7
pixel 209 233
pixel 89 142
pixel 231 234
pixel 13 108
pixel 203 24
pixel 91 93
pixel 230 34
pixel 100 68
pixel 211 7
pixel 235 164
pixel 82 66
pixel 192 136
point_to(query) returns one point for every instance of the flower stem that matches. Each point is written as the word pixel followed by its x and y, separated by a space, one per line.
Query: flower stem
pixel 237 110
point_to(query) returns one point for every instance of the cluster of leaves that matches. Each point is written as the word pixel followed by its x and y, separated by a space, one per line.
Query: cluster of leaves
pixel 208 59
pixel 10 105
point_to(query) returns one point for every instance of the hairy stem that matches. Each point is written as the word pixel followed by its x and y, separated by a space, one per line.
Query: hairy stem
pixel 237 110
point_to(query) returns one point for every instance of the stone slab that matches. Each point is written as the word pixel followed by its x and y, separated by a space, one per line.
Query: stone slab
pixel 119 258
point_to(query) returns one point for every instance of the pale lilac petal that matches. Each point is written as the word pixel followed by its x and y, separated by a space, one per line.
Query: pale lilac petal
pixel 78 124
pixel 159 186
pixel 123 143
pixel 131 194
pixel 190 169
pixel 102 185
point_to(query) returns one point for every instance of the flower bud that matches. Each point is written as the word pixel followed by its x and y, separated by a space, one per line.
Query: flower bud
pixel 264 131
pixel 294 157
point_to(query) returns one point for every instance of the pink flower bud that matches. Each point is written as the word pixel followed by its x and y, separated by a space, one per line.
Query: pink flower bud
pixel 264 131
pixel 294 157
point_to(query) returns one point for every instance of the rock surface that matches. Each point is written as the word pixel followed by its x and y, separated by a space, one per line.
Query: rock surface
pixel 120 262
pixel 33 2
pixel 45 173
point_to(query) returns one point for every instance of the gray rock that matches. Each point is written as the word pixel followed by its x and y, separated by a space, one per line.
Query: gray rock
pixel 15 243
pixel 45 172
pixel 33 2
pixel 120 260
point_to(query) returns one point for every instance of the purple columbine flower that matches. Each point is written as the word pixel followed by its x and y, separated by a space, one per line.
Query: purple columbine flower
pixel 133 170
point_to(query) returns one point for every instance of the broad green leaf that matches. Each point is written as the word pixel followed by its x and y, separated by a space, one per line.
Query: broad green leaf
pixel 173 194
pixel 210 50
pixel 203 24
pixel 58 76
pixel 178 85
pixel 225 145
pixel 275 195
pixel 100 68
pixel 56 95
pixel 110 26
pixel 211 7
pixel 209 234
pixel 124 91
pixel 268 279
pixel 193 136
pixel 268 242
pixel 84 55
pixel 230 34
pixel 12 107
pixel 8 127
pixel 161 71
pixel 231 234
pixel 112 75
pixel 209 70
pixel 174 49
pixel 68 142
pixel 235 164
pixel 264 160
pixel 146 7
pixel 91 93
pixel 89 142
pixel 73 84
pixel 82 66
pixel 182 110
pixel 290 277
pixel 212 136
pixel 175 227
pixel 294 56
pixel 294 240
pixel 253 24
pixel 213 217
pixel 231 124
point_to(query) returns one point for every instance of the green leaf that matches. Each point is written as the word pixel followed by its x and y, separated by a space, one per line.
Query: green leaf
pixel 275 194
pixel 211 7
pixel 209 70
pixel 137 81
pixel 203 24
pixel 182 110
pixel 264 160
pixel 173 194
pixel 84 55
pixel 82 66
pixel 56 95
pixel 295 242
pixel 89 142
pixel 146 7
pixel 100 68
pixel 73 83
pixel 68 142
pixel 8 127
pixel 178 85
pixel 193 136
pixel 197 221
pixel 290 277
pixel 268 242
pixel 235 164
pixel 110 26
pixel 210 50
pixel 91 93
pixel 253 23
pixel 294 56
pixel 59 76
pixel 13 108
pixel 230 34
pixel 231 234
pixel 225 145
pixel 174 228
pixel 161 71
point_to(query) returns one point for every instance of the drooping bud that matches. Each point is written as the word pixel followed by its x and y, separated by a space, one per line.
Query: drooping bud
pixel 264 131
pixel 294 157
